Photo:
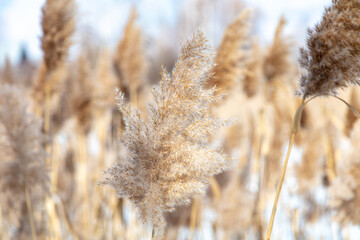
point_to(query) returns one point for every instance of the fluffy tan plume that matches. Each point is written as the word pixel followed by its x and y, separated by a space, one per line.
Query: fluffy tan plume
pixel 252 71
pixel 276 62
pixel 229 56
pixel 130 64
pixel 58 25
pixel 168 160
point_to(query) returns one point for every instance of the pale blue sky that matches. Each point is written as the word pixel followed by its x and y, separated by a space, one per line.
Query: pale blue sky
pixel 20 19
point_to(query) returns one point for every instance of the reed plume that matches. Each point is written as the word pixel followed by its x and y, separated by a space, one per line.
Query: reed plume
pixel 129 60
pixel 106 82
pixel 230 55
pixel 252 72
pixel 58 25
pixel 331 58
pixel 276 61
pixel 331 61
pixel 168 160
pixel 22 164
pixel 83 95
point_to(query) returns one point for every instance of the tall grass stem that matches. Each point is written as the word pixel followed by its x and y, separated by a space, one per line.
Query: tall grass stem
pixel 283 171
pixel 30 212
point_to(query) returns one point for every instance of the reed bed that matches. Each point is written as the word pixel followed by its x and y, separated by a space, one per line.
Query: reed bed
pixel 186 143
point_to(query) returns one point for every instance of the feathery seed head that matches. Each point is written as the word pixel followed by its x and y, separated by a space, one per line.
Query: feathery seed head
pixel 58 25
pixel 230 55
pixel 22 155
pixel 332 56
pixel 276 62
pixel 168 160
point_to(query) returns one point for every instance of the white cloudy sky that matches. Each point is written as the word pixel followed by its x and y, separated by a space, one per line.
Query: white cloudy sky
pixel 20 19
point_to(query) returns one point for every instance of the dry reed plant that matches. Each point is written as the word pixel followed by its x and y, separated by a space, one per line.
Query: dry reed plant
pixel 106 82
pixel 308 170
pixel 77 97
pixel 168 161
pixel 252 71
pixel 276 61
pixel 58 25
pixel 344 192
pixel 82 97
pixel 331 61
pixel 130 61
pixel 276 67
pixel 331 58
pixel 229 59
pixel 167 153
pixel 24 177
pixel 64 111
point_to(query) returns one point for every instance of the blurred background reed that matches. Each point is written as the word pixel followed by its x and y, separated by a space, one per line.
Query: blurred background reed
pixel 59 122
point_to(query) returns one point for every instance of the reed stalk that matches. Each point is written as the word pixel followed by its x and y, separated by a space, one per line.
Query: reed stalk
pixel 283 171
pixel 193 218
pixel 153 234
pixel 294 129
pixel 30 213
